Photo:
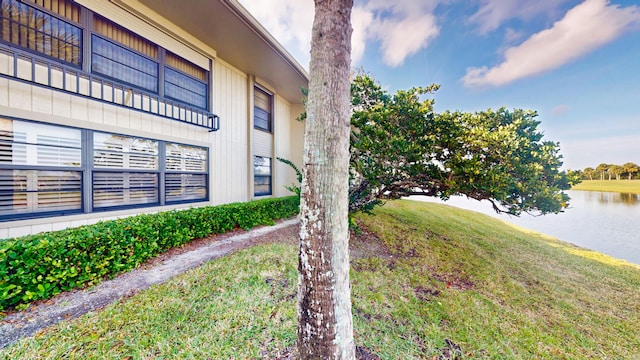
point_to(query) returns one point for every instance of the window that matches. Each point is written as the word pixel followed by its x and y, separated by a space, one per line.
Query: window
pixel 262 110
pixel 116 189
pixel 117 33
pixel 185 81
pixel 31 28
pixel 120 63
pixel 183 88
pixel 126 171
pixel 186 177
pixel 261 176
pixel 54 28
pixel 40 169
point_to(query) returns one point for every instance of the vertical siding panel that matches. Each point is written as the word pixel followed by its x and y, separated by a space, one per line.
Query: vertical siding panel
pixel 239 163
pixel 135 120
pixel 42 100
pixel 122 117
pixel 225 151
pixel 230 150
pixel 216 163
pixel 4 92
pixel 283 174
pixel 61 104
pixel 215 137
pixel 110 115
pixel 96 112
pixel 20 95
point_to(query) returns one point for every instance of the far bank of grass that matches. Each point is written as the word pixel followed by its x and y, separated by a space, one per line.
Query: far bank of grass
pixel 621 186
pixel 429 281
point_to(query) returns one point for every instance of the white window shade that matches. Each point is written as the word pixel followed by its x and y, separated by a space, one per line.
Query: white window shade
pixel 123 152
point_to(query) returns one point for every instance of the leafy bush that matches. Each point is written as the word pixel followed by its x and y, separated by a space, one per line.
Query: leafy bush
pixel 42 265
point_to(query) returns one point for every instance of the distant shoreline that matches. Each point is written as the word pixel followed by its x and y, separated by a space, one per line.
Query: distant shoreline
pixel 620 186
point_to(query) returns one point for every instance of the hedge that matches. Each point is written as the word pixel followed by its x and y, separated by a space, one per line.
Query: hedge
pixel 42 265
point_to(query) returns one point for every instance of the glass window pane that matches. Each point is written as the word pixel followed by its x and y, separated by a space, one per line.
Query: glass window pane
pixel 25 143
pixel 181 187
pixel 262 185
pixel 124 152
pixel 262 109
pixel 36 191
pixel 185 158
pixel 122 189
pixel 186 89
pixel 25 26
pixel 261 119
pixel 262 175
pixel 122 64
pixel 261 165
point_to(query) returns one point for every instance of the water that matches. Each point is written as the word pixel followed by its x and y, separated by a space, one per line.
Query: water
pixel 603 221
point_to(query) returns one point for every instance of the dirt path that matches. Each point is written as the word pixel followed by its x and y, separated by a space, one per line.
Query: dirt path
pixel 72 304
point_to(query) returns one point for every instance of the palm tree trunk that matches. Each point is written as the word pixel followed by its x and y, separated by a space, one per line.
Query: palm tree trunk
pixel 325 325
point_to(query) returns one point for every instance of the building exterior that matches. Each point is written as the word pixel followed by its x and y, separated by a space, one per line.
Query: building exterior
pixel 110 108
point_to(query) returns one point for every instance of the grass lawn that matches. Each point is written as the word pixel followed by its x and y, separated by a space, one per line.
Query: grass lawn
pixel 621 186
pixel 428 281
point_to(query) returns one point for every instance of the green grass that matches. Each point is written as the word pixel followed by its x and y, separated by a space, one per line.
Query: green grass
pixel 621 186
pixel 435 279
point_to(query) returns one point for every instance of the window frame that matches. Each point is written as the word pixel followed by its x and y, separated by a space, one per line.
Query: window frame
pixel 35 7
pixel 36 168
pixel 85 54
pixel 87 171
pixel 268 176
pixel 126 169
pixel 189 77
pixel 157 76
pixel 257 109
pixel 168 173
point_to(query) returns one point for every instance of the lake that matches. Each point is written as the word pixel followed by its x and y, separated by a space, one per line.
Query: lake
pixel 603 221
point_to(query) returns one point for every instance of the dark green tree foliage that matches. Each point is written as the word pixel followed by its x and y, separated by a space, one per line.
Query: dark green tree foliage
pixel 401 147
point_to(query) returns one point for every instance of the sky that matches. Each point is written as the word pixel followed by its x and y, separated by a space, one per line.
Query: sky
pixel 576 62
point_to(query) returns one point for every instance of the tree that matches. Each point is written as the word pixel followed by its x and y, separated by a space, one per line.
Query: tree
pixel 630 169
pixel 401 147
pixel 603 169
pixel 574 176
pixel 588 172
pixel 615 170
pixel 325 325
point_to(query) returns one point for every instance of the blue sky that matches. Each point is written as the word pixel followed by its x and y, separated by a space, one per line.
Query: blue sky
pixel 576 62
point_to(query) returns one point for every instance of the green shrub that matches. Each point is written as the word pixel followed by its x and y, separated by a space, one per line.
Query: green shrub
pixel 39 266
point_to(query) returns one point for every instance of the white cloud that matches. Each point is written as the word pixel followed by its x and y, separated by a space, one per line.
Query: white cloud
pixel 401 38
pixel 288 21
pixel 361 19
pixel 583 29
pixel 493 13
pixel 401 27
